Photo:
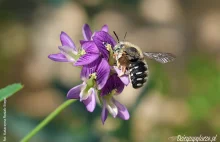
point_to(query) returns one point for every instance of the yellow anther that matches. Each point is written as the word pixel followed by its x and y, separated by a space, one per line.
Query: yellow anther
pixel 94 76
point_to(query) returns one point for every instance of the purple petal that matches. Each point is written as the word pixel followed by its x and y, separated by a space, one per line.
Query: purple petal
pixel 104 112
pixel 68 52
pixel 87 70
pixel 100 38
pixel 86 59
pixel 104 37
pixel 103 71
pixel 59 57
pixel 83 94
pixel 112 108
pixel 122 111
pixel 118 84
pixel 90 102
pixel 113 83
pixel 104 28
pixel 82 42
pixel 101 48
pixel 125 78
pixel 109 87
pixel 87 33
pixel 90 47
pixel 74 92
pixel 67 41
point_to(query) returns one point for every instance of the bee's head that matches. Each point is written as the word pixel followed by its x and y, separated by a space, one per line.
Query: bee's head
pixel 120 44
pixel 118 47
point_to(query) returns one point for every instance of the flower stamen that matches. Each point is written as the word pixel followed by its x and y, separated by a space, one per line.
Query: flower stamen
pixel 111 54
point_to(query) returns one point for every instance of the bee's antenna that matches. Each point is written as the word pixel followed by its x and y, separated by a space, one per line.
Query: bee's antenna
pixel 125 35
pixel 116 35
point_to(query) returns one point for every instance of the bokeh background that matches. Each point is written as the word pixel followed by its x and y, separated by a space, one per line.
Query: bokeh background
pixel 181 97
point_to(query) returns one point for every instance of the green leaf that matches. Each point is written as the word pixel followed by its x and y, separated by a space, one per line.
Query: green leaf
pixel 9 90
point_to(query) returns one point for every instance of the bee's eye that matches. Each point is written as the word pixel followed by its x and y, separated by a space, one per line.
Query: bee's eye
pixel 121 45
pixel 116 49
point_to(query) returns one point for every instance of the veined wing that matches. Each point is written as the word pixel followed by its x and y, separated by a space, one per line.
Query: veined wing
pixel 160 57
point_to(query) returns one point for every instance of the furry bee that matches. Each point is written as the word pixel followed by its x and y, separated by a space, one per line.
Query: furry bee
pixel 129 57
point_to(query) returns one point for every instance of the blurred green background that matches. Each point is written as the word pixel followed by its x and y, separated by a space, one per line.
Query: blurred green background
pixel 181 97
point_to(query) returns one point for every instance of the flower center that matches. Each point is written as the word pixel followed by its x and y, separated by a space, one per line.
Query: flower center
pixel 91 81
pixel 110 95
pixel 113 92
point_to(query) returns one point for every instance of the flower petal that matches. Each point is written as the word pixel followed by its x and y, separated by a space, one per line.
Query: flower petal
pixel 90 102
pixel 112 108
pixel 125 78
pixel 104 112
pixel 103 71
pixel 68 52
pixel 90 47
pixel 100 38
pixel 82 42
pixel 74 92
pixel 105 37
pixel 87 70
pixel 86 59
pixel 83 94
pixel 67 41
pixel 118 84
pixel 59 57
pixel 108 87
pixel 122 110
pixel 113 83
pixel 87 33
pixel 104 28
pixel 102 48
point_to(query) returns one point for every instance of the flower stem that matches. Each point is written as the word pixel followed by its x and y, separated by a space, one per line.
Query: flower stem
pixel 47 120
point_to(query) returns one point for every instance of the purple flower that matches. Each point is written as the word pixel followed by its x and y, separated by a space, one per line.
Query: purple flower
pixel 102 70
pixel 99 76
pixel 101 39
pixel 87 91
pixel 84 93
pixel 94 45
pixel 68 50
pixel 113 87
pixel 89 53
pixel 104 42
pixel 116 109
pixel 87 32
pixel 113 84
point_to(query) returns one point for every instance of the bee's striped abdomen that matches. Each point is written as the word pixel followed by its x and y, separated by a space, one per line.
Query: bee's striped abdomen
pixel 138 73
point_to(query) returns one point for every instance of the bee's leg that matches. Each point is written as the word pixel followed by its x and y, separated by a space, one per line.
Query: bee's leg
pixel 114 56
pixel 123 71
pixel 118 64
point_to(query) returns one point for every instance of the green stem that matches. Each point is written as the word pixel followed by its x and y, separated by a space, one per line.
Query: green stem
pixel 47 120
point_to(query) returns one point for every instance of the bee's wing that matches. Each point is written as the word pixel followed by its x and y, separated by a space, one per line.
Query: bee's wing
pixel 160 57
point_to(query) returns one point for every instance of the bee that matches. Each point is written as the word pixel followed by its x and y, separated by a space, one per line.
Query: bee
pixel 129 57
